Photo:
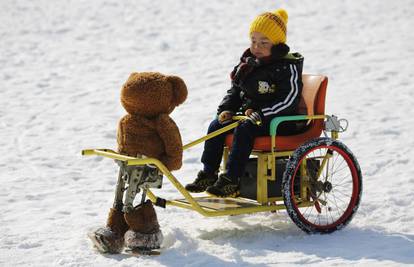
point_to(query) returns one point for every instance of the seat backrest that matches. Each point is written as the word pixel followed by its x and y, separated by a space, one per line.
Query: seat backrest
pixel 312 101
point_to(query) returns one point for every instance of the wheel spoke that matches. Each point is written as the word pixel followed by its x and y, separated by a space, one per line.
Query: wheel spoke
pixel 342 161
pixel 343 194
pixel 335 201
pixel 336 204
pixel 330 214
pixel 337 198
pixel 306 210
pixel 338 169
pixel 332 167
pixel 332 174
pixel 343 184
pixel 343 178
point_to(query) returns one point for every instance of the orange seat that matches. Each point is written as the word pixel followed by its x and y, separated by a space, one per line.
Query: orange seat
pixel 312 102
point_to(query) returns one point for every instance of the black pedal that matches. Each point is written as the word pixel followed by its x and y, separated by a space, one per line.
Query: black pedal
pixel 160 202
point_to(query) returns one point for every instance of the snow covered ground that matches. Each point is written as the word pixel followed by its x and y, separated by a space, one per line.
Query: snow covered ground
pixel 63 63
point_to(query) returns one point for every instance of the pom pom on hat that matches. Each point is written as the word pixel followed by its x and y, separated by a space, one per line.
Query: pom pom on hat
pixel 281 12
pixel 272 25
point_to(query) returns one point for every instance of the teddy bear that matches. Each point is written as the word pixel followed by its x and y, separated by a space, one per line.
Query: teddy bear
pixel 146 131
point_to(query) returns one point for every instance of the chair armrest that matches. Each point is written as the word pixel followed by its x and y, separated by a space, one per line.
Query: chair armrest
pixel 278 120
pixel 273 127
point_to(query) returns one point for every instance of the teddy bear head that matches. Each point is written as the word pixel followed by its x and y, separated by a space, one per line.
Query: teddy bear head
pixel 152 93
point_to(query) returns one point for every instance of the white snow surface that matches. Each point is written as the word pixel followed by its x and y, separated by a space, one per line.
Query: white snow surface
pixel 63 64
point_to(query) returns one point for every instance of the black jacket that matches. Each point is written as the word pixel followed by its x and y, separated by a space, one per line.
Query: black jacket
pixel 272 86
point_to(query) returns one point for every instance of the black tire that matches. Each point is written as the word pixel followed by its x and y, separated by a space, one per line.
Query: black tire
pixel 335 195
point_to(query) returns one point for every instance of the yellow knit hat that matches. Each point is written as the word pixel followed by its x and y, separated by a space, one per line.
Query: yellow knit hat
pixel 272 25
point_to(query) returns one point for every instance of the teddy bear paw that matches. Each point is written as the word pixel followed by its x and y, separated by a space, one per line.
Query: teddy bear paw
pixel 106 240
pixel 144 242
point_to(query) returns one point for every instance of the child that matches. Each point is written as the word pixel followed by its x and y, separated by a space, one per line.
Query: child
pixel 265 84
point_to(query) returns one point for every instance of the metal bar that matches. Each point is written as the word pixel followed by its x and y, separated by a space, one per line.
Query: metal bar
pixel 237 119
pixel 274 124
pixel 108 153
pixel 306 204
pixel 236 211
pixel 278 120
pixel 284 154
pixel 151 196
pixel 187 205
pixel 172 179
pixel 304 181
pixel 261 189
pixel 192 203
pixel 274 199
pixel 324 162
pixel 144 194
pixel 119 192
pixel 139 161
pixel 211 135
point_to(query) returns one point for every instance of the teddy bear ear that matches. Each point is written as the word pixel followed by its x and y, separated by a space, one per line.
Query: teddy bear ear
pixel 180 89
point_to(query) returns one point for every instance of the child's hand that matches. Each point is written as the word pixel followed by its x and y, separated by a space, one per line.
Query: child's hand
pixel 248 112
pixel 225 116
pixel 254 116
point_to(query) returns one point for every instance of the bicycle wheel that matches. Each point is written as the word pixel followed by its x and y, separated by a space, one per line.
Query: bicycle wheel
pixel 322 186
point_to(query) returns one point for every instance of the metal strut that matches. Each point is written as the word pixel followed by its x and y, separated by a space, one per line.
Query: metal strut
pixel 119 192
pixel 131 180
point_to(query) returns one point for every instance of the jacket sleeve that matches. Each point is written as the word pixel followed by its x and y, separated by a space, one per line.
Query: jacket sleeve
pixel 289 88
pixel 231 100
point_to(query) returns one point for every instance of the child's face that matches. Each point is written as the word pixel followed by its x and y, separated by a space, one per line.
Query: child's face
pixel 260 45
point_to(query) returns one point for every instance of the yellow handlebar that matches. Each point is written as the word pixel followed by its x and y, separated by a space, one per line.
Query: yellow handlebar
pixel 239 118
pixel 242 117
pixel 233 125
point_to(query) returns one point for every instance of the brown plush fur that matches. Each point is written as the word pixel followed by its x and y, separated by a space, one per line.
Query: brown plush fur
pixel 143 219
pixel 147 129
pixel 116 222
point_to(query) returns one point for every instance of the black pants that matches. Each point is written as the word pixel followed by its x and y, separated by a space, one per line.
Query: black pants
pixel 242 146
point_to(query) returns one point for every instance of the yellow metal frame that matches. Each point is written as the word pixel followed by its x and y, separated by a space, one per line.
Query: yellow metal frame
pixel 266 161
pixel 211 206
pixel 189 202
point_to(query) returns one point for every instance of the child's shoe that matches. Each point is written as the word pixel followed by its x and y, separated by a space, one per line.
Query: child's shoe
pixel 224 187
pixel 202 181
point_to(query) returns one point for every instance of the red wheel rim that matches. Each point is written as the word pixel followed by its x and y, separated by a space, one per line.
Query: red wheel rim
pixel 352 198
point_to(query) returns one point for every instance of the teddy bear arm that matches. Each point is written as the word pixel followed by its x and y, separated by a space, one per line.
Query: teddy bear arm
pixel 120 136
pixel 170 134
